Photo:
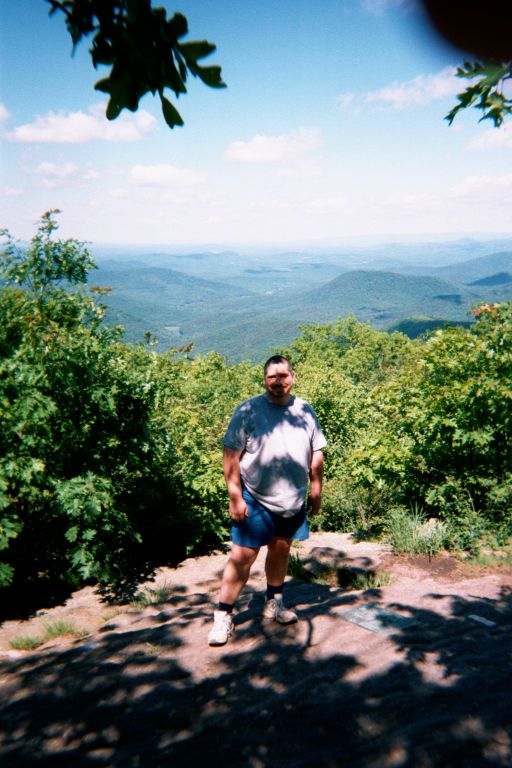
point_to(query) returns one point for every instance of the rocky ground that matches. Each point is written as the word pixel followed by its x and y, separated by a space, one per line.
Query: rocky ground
pixel 426 683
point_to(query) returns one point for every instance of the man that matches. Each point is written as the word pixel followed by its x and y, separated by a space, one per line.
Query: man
pixel 272 448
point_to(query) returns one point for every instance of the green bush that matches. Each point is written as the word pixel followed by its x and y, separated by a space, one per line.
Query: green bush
pixel 79 459
pixel 195 402
pixel 442 436
pixel 111 457
pixel 408 532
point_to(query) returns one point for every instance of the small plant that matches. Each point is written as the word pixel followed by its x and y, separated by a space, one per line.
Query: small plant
pixel 410 533
pixel 26 642
pixel 153 649
pixel 469 531
pixel 297 570
pixel 51 631
pixel 360 580
pixel 492 559
pixel 402 530
pixel 61 628
pixel 364 581
pixel 109 615
pixel 153 596
pixel 348 509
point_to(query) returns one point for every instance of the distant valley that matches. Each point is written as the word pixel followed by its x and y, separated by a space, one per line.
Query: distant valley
pixel 244 305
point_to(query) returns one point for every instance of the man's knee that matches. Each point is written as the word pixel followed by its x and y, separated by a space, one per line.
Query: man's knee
pixel 243 556
pixel 279 546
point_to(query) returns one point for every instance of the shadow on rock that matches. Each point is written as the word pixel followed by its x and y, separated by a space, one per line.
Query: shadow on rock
pixel 126 701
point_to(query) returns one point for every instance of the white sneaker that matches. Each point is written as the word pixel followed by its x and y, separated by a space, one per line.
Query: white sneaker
pixel 275 609
pixel 222 628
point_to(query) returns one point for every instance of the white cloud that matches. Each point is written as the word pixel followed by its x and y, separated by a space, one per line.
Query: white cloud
pixel 12 191
pixel 52 175
pixel 346 100
pixel 287 149
pixel 80 128
pixel 421 90
pixel 91 174
pixel 485 188
pixel 493 138
pixel 165 175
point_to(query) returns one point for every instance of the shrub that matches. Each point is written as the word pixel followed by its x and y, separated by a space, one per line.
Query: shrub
pixel 410 533
pixel 195 402
pixel 79 458
pixel 442 436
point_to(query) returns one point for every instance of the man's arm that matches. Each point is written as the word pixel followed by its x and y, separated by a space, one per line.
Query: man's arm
pixel 237 506
pixel 316 473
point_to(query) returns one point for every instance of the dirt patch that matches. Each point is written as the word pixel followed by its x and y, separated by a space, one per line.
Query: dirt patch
pixel 441 567
pixel 144 689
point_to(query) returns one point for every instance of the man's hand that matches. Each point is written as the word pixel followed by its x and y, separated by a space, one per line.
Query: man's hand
pixel 314 505
pixel 238 509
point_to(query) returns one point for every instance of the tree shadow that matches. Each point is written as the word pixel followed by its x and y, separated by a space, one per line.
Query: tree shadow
pixel 273 697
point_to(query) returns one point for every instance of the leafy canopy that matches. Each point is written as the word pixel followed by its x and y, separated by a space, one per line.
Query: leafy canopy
pixel 143 49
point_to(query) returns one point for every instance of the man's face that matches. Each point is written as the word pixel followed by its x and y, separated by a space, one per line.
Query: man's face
pixel 278 381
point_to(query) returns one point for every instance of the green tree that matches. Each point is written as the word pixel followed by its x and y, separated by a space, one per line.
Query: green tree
pixel 77 449
pixel 339 365
pixel 143 48
pixel 442 439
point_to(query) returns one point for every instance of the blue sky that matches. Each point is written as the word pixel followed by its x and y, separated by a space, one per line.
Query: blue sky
pixel 331 127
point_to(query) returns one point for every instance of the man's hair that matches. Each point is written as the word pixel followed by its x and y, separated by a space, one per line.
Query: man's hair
pixel 275 360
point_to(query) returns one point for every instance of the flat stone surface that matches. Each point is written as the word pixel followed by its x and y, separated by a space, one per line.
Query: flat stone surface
pixel 143 688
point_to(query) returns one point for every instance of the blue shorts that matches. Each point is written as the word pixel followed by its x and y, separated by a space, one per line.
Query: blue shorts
pixel 261 525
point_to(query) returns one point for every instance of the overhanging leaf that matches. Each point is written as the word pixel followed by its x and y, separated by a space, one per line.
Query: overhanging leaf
pixel 210 76
pixel 196 50
pixel 171 115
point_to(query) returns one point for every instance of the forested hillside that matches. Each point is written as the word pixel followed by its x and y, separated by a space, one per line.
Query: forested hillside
pixel 471 270
pixel 259 301
pixel 110 460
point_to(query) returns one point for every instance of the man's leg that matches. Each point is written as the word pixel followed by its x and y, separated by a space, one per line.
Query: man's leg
pixel 276 567
pixel 234 578
pixel 236 572
pixel 276 563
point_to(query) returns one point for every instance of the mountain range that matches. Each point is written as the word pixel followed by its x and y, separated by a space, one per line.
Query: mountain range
pixel 256 302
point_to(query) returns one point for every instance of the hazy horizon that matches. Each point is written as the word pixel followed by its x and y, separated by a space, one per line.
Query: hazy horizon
pixel 363 241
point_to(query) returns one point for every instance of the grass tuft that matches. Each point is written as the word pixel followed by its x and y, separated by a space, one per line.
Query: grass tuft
pixel 26 642
pixel 153 649
pixel 492 559
pixel 359 581
pixel 51 631
pixel 152 596
pixel 62 628
pixel 409 533
pixel 297 570
pixel 345 577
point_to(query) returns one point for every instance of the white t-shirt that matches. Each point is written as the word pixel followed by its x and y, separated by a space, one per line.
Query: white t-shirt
pixel 276 443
